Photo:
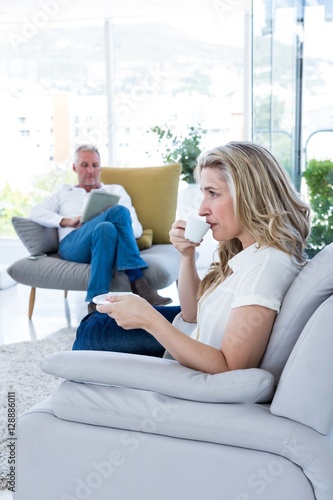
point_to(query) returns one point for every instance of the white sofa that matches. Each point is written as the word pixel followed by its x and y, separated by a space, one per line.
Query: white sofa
pixel 129 427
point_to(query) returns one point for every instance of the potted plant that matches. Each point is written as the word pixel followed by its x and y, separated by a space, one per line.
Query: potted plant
pixel 319 179
pixel 180 148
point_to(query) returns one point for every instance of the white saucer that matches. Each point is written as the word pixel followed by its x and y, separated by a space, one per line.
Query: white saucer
pixel 101 299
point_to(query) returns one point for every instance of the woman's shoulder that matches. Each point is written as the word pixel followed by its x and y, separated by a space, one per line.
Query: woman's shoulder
pixel 271 251
pixel 256 254
pixel 274 259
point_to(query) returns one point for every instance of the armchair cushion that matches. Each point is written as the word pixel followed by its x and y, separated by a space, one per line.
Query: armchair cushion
pixel 146 239
pixel 165 376
pixel 160 185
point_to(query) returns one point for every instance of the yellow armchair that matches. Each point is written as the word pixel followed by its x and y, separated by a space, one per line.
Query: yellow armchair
pixel 154 193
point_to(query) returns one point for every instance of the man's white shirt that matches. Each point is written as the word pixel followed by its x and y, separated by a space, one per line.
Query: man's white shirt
pixel 69 201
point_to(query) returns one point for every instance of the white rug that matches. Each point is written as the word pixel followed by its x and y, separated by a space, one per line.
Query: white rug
pixel 20 373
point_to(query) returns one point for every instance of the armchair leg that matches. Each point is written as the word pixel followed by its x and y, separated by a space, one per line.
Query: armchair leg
pixel 31 301
pixel 65 293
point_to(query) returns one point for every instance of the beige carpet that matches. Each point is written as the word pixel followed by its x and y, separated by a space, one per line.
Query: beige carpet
pixel 20 375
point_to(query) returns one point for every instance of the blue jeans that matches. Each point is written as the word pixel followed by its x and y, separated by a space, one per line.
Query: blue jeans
pixel 99 332
pixel 107 242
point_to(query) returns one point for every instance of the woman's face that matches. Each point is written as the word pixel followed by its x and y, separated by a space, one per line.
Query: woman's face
pixel 218 208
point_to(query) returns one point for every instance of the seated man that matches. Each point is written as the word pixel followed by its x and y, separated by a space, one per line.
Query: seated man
pixel 107 241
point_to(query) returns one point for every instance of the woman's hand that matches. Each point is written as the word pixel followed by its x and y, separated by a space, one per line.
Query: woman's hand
pixel 129 311
pixel 177 238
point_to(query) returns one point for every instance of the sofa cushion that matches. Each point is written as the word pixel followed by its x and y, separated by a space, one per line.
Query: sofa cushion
pixel 312 287
pixel 153 191
pixel 36 238
pixel 145 240
pixel 161 375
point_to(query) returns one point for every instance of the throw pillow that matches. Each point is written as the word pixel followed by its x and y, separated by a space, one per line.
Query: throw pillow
pixel 36 238
pixel 146 239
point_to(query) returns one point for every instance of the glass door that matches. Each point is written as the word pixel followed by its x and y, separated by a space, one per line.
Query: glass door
pixel 277 57
pixel 292 77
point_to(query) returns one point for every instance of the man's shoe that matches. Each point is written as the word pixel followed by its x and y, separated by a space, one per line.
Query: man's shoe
pixel 91 307
pixel 141 287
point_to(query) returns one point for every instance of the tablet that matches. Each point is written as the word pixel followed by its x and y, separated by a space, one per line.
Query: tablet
pixel 97 203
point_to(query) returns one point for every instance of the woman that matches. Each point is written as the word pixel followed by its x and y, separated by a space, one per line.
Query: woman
pixel 262 226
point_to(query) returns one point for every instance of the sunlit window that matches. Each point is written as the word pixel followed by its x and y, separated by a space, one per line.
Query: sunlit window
pixel 292 80
pixel 168 70
pixel 106 74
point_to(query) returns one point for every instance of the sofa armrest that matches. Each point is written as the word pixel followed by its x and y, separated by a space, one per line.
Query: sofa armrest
pixel 164 376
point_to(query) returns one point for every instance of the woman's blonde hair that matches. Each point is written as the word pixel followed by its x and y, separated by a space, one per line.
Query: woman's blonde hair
pixel 265 203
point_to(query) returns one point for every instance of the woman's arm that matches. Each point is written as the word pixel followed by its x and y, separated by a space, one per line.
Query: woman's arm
pixel 188 285
pixel 188 279
pixel 243 345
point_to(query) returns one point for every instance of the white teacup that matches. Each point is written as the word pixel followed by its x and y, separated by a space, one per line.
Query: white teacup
pixel 101 299
pixel 195 229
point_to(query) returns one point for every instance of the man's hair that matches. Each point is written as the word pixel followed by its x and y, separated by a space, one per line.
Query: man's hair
pixel 85 147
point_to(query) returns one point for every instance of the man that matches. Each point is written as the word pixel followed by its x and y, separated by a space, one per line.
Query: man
pixel 107 241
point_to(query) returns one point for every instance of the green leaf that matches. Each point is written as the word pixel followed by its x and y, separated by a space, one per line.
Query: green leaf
pixel 184 148
pixel 319 179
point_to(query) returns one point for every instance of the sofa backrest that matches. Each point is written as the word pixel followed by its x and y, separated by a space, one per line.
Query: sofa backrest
pixel 311 288
pixel 154 193
pixel 304 393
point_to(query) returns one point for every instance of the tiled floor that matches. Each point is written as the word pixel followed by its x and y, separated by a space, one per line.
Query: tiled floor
pixel 52 313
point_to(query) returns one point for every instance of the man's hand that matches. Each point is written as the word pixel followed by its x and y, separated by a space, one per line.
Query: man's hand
pixel 71 222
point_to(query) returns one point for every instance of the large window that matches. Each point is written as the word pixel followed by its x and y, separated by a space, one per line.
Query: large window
pixel 292 80
pixel 318 82
pixel 76 81
pixel 106 73
pixel 52 92
pixel 67 79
